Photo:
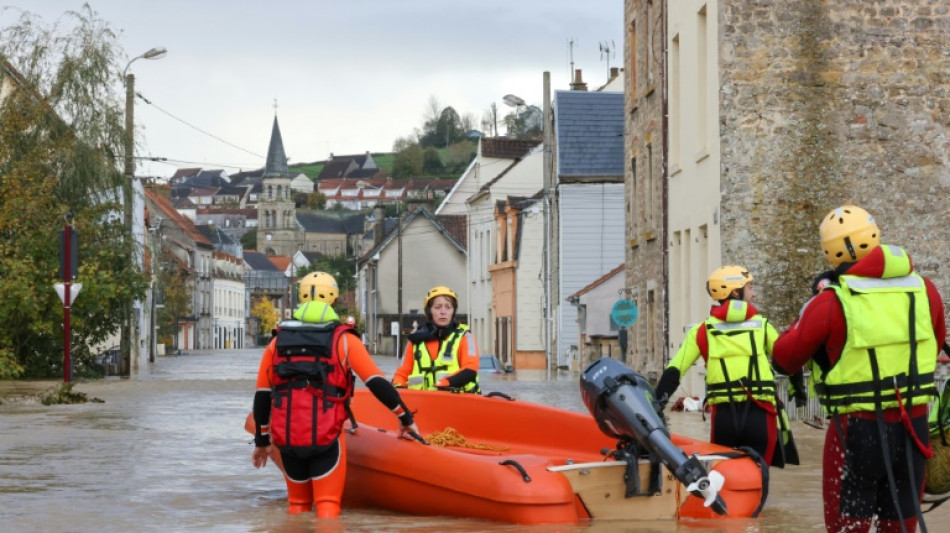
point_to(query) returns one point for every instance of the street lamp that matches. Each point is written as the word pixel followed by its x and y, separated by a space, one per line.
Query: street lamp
pixel 129 172
pixel 362 185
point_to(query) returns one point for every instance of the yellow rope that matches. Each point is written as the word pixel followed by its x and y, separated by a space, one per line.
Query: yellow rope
pixel 451 437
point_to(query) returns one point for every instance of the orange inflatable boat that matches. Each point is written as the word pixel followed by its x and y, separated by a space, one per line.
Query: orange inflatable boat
pixel 525 463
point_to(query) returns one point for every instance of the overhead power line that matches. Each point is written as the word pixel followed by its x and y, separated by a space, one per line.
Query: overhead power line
pixel 196 128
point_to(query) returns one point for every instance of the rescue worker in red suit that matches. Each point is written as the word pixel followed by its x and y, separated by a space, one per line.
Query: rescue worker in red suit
pixel 735 343
pixel 871 335
pixel 442 354
pixel 315 473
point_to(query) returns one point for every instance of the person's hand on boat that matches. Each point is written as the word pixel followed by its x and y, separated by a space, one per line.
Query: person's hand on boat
pixel 259 457
pixel 405 432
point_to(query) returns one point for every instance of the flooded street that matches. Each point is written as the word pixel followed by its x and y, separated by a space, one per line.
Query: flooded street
pixel 167 452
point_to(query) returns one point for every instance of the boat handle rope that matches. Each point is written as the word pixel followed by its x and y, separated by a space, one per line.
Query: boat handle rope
pixel 497 394
pixel 524 473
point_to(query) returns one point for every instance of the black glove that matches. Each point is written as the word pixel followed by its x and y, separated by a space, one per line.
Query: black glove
pixel 797 390
pixel 829 275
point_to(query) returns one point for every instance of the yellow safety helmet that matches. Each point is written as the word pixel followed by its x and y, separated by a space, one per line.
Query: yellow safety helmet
pixel 847 234
pixel 440 291
pixel 318 286
pixel 724 280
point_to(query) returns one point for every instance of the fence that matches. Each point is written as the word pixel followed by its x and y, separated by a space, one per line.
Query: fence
pixel 812 412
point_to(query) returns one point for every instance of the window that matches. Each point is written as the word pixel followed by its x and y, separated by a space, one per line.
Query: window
pixel 651 40
pixel 632 200
pixel 702 66
pixel 675 112
pixel 632 64
pixel 648 193
pixel 651 326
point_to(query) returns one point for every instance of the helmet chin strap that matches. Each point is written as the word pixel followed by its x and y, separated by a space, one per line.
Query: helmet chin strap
pixel 850 247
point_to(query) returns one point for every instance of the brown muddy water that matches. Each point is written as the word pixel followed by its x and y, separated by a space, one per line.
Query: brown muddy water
pixel 167 452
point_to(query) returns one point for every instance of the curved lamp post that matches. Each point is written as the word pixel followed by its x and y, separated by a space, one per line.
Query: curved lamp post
pixel 129 173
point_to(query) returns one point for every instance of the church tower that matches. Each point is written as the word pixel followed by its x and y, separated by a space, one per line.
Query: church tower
pixel 277 227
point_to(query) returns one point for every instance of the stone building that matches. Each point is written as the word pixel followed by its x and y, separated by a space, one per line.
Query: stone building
pixel 644 172
pixel 779 111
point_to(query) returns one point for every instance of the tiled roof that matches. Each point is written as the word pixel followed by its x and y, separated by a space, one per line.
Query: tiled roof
pixel 280 261
pixel 457 226
pixel 502 147
pixel 259 261
pixel 322 222
pixel 170 212
pixel 589 133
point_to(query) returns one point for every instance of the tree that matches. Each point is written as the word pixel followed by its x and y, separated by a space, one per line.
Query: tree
pixel 249 239
pixel 266 315
pixel 176 294
pixel 524 123
pixel 490 120
pixel 442 131
pixel 431 162
pixel 459 155
pixel 408 162
pixel 61 139
pixel 316 200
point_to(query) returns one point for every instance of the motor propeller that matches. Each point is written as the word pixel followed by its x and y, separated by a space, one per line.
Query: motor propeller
pixel 623 404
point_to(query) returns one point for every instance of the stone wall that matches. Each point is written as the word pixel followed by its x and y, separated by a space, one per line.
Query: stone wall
pixel 645 233
pixel 824 103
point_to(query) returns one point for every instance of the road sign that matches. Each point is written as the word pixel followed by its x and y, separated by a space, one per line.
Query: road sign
pixel 624 312
pixel 74 289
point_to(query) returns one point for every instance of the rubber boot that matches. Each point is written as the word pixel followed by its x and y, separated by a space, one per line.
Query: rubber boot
pixel 328 489
pixel 299 496
pixel 328 509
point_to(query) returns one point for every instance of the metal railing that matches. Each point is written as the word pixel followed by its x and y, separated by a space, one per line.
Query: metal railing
pixel 812 412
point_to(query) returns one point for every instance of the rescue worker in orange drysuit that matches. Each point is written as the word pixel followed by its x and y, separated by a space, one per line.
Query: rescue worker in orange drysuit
pixel 308 367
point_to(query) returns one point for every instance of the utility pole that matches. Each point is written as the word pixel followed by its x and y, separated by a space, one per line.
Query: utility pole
pixel 125 332
pixel 399 279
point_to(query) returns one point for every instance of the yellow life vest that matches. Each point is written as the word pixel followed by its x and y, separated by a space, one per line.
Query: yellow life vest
pixel 890 345
pixel 428 370
pixel 737 361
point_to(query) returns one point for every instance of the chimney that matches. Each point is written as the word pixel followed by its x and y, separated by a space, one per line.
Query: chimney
pixel 578 83
pixel 614 72
pixel 379 214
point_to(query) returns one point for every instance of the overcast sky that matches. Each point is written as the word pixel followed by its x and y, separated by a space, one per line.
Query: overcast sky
pixel 347 75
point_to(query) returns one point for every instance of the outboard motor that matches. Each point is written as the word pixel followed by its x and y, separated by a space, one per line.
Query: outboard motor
pixel 623 404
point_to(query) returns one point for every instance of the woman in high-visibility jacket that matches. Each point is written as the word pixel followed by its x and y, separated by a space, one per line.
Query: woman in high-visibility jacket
pixel 442 354
pixel 735 342
pixel 872 334
pixel 315 471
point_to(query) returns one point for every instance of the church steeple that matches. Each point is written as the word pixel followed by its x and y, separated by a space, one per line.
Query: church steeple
pixel 276 165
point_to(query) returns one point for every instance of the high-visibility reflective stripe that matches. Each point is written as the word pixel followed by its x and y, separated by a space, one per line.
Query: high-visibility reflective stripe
pixel 748 324
pixel 904 282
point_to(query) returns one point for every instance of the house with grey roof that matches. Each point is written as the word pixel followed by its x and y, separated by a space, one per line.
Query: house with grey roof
pixel 429 255
pixel 588 223
pixel 354 167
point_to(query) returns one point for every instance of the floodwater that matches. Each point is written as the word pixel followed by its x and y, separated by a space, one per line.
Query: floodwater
pixel 168 452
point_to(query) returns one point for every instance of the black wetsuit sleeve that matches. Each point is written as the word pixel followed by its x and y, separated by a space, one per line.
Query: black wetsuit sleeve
pixel 261 416
pixel 669 381
pixel 384 391
pixel 462 377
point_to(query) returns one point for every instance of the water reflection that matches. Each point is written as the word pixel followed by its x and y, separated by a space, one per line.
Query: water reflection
pixel 167 452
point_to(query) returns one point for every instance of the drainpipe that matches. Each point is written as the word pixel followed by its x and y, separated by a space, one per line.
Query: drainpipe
pixel 548 171
pixel 664 203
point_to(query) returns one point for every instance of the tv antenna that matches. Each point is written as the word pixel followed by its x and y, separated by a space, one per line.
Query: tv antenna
pixel 608 51
pixel 570 56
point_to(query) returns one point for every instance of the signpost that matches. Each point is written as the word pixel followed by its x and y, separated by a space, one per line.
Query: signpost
pixel 67 290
